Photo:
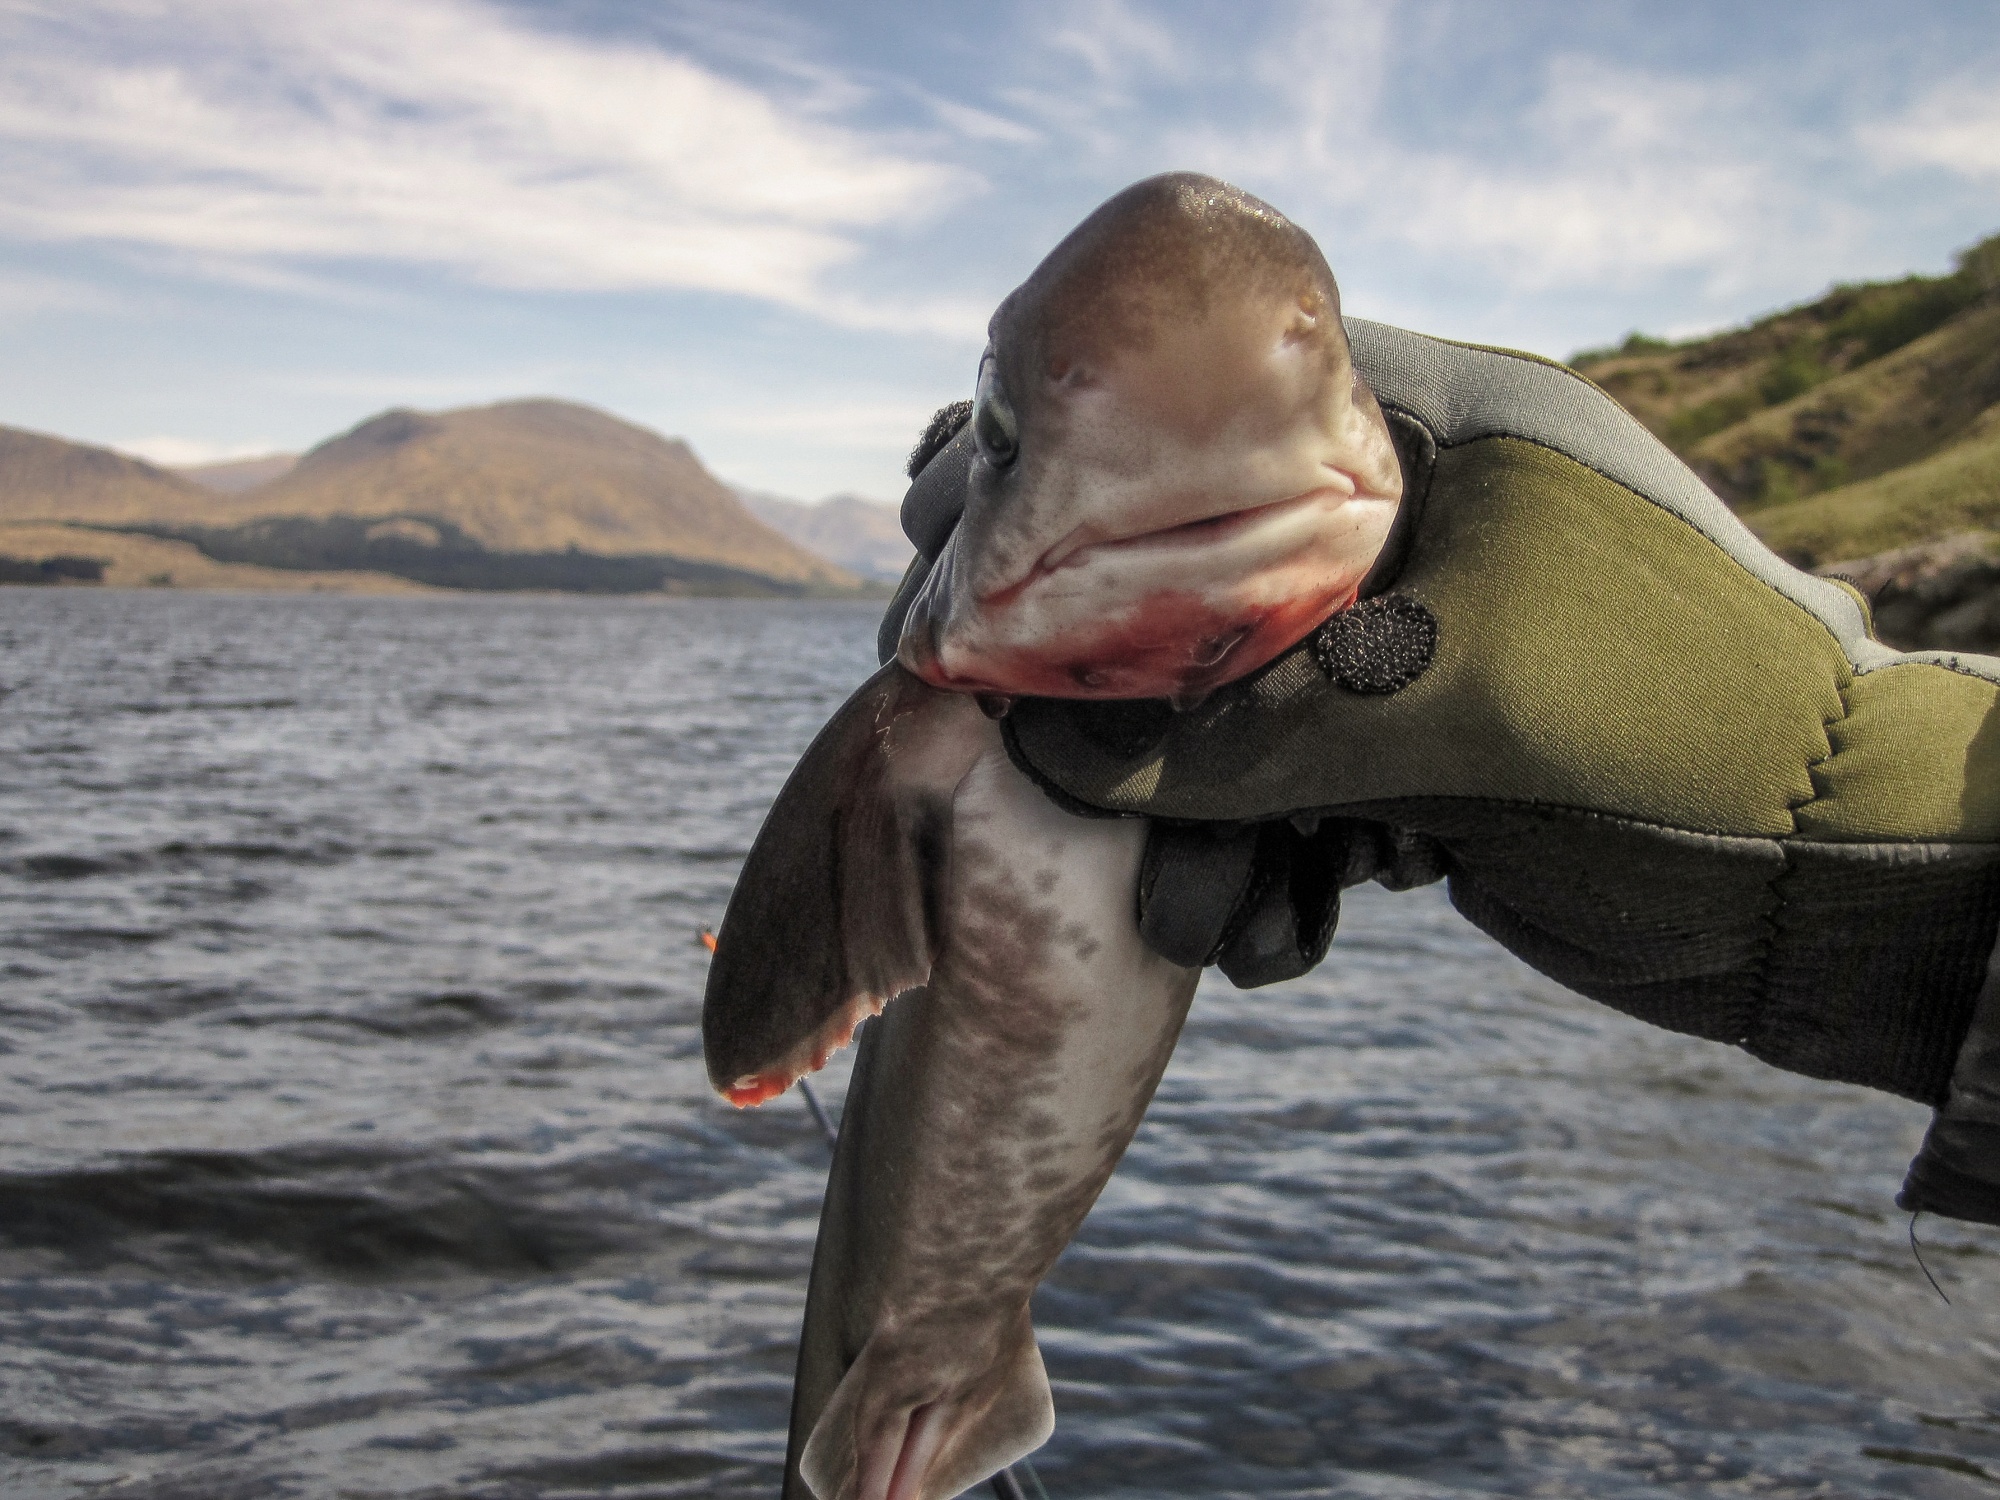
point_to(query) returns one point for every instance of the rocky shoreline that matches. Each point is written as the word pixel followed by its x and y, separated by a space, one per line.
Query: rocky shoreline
pixel 1941 595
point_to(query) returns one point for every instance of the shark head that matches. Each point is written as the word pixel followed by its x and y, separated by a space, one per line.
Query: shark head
pixel 1179 473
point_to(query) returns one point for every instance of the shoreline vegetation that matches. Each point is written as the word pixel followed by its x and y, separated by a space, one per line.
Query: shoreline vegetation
pixel 124 561
pixel 67 555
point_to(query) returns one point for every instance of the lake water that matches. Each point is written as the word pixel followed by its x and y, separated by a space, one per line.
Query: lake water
pixel 354 1140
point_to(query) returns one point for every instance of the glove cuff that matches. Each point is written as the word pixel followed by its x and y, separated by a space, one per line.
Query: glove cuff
pixel 1957 1173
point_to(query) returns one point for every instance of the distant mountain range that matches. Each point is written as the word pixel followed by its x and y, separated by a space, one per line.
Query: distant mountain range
pixel 862 536
pixel 235 475
pixel 535 494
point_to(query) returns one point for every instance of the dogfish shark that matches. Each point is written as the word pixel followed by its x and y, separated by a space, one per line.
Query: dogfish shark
pixel 1178 475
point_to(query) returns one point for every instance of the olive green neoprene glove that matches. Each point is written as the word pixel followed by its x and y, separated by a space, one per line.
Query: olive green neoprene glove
pixel 1653 760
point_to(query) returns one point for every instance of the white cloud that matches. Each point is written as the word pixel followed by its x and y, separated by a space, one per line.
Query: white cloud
pixel 857 425
pixel 1115 40
pixel 180 452
pixel 27 294
pixel 1082 69
pixel 959 320
pixel 1621 175
pixel 979 124
pixel 1956 126
pixel 1610 177
pixel 265 132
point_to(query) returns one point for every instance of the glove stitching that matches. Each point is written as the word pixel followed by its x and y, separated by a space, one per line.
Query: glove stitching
pixel 1756 1025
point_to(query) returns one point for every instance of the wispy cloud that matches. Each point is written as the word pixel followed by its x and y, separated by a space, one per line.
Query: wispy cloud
pixel 859 425
pixel 1615 175
pixel 1116 41
pixel 980 124
pixel 31 294
pixel 1609 174
pixel 260 133
pixel 1955 126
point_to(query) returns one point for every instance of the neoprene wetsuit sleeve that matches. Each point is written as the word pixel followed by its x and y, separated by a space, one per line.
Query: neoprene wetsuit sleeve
pixel 1650 758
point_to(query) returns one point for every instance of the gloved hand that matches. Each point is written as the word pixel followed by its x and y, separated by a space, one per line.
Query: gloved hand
pixel 1653 760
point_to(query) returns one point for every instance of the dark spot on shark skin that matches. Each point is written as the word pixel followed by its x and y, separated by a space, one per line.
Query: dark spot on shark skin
pixel 1045 881
pixel 1047 1182
pixel 995 1040
pixel 1080 941
pixel 999 1212
pixel 1039 1127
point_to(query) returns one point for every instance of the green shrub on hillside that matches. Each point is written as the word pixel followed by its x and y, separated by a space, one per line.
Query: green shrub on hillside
pixel 1697 422
pixel 1796 371
pixel 1902 312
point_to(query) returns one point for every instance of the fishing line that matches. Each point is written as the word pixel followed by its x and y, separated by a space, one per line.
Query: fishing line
pixel 1005 1485
pixel 819 1112
pixel 1917 1251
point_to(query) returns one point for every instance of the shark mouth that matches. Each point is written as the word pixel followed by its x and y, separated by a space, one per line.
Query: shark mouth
pixel 1173 613
pixel 1086 543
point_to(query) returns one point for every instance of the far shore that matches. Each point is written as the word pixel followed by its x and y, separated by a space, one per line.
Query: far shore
pixel 130 561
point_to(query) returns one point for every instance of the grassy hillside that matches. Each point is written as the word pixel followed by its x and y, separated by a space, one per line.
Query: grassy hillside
pixel 1862 421
pixel 1953 490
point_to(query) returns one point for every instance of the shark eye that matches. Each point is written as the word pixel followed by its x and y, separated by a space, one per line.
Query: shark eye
pixel 993 427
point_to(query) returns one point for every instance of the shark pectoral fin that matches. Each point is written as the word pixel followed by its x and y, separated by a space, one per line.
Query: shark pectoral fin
pixel 835 912
pixel 867 1445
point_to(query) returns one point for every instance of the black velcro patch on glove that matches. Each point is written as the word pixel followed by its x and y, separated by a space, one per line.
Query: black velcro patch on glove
pixel 1378 646
pixel 944 425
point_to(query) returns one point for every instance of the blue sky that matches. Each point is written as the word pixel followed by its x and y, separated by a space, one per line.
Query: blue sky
pixel 777 229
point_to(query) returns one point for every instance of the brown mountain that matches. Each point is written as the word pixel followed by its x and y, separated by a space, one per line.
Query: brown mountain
pixel 862 536
pixel 536 476
pixel 46 478
pixel 235 475
pixel 534 494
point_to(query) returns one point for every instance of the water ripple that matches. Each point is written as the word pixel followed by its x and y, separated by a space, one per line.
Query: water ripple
pixel 354 1138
